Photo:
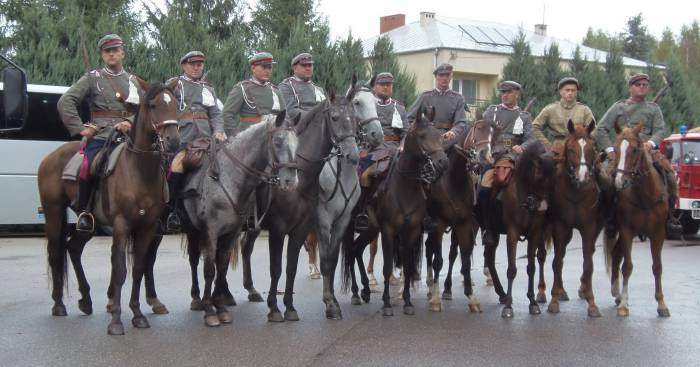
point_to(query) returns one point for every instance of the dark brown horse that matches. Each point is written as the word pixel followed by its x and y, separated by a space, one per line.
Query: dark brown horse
pixel 451 204
pixel 521 216
pixel 131 200
pixel 641 208
pixel 399 210
pixel 575 205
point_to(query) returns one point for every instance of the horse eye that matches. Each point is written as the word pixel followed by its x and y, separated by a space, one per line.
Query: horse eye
pixel 356 102
pixel 151 105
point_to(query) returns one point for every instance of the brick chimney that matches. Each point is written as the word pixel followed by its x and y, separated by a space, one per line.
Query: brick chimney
pixel 390 22
pixel 541 30
pixel 426 17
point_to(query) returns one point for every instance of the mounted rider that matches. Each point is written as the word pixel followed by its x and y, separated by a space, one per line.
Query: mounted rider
pixel 249 100
pixel 631 112
pixel 392 117
pixel 200 117
pixel 512 133
pixel 301 95
pixel 113 95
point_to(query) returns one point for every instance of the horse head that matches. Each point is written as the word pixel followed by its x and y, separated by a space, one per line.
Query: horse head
pixel 282 145
pixel 629 152
pixel 477 144
pixel 157 117
pixel 343 129
pixel 423 144
pixel 579 152
pixel 364 105
pixel 535 169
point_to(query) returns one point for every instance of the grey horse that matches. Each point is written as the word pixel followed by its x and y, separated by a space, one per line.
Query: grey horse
pixel 244 164
pixel 340 191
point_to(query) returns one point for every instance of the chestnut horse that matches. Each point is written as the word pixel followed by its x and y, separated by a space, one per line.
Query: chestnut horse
pixel 641 208
pixel 131 200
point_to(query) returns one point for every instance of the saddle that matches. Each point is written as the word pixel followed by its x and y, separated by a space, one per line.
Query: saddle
pixel 72 170
pixel 381 160
pixel 195 153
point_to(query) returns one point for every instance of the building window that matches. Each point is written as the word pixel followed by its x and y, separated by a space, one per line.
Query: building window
pixel 467 88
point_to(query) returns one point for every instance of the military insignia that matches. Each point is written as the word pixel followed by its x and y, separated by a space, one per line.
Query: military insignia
pixel 207 98
pixel 396 121
pixel 275 102
pixel 518 128
pixel 133 93
pixel 319 94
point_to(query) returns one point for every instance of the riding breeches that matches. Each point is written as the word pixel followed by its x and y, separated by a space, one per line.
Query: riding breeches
pixel 176 165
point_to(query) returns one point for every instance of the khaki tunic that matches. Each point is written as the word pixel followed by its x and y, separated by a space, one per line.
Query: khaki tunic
pixel 628 113
pixel 553 120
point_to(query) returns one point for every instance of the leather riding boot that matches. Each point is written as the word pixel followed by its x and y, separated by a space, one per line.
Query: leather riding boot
pixel 86 221
pixel 173 223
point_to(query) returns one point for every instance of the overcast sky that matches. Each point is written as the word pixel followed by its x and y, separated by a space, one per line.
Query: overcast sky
pixel 565 19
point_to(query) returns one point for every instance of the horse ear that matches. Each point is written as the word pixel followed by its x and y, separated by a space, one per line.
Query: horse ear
pixel 279 121
pixel 331 94
pixel 570 126
pixel 354 80
pixel 430 113
pixel 617 128
pixel 371 81
pixel 143 84
pixel 590 127
pixel 172 85
pixel 637 129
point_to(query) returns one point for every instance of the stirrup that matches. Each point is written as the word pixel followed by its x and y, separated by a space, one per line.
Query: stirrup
pixel 429 224
pixel 173 224
pixel 361 222
pixel 674 229
pixel 85 223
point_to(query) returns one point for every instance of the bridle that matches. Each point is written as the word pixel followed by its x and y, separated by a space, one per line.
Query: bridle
pixel 158 145
pixel 427 172
pixel 361 124
pixel 572 167
pixel 636 172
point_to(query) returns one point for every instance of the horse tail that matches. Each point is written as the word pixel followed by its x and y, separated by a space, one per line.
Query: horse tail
pixel 407 255
pixel 347 247
pixel 60 251
pixel 609 244
pixel 235 251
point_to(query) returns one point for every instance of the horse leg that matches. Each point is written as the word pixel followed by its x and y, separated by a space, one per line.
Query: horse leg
pixel 435 241
pixel 387 269
pixel 447 289
pixel 76 245
pixel 560 237
pixel 512 243
pixel 370 263
pixel 657 242
pixel 329 262
pixel 194 253
pixel 142 242
pixel 625 239
pixel 151 296
pixel 294 245
pixel 207 244
pixel 533 243
pixel 490 242
pixel 312 243
pixel 429 256
pixel 246 252
pixel 541 296
pixel 360 244
pixel 465 238
pixel 221 293
pixel 276 244
pixel 617 254
pixel 120 237
pixel 589 235
pixel 56 232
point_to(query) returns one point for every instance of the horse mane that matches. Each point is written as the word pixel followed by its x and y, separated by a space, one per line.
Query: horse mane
pixel 525 166
pixel 310 116
pixel 155 89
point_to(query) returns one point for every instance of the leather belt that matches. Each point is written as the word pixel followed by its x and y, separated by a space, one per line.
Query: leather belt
pixel 194 116
pixel 443 125
pixel 393 137
pixel 111 114
pixel 251 119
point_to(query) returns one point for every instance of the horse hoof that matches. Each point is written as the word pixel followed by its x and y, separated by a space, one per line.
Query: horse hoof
pixel 541 298
pixel 334 313
pixel 447 296
pixel 564 296
pixel 228 300
pixel 160 309
pixel 212 320
pixel 507 313
pixel 663 312
pixel 255 297
pixel 365 296
pixel 535 309
pixel 140 322
pixel 387 311
pixel 196 305
pixel 224 317
pixel 275 316
pixel 355 300
pixel 115 329
pixel 617 301
pixel 430 295
pixel 553 308
pixel 291 315
pixel 436 307
pixel 85 306
pixel 409 310
pixel 474 307
pixel 594 312
pixel 59 310
pixel 623 312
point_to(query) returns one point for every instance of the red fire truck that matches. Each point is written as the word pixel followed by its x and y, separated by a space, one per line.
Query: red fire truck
pixel 685 157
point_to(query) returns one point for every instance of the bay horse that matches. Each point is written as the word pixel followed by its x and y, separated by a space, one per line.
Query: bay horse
pixel 399 209
pixel 521 215
pixel 641 208
pixel 575 204
pixel 131 200
pixel 244 163
pixel 451 204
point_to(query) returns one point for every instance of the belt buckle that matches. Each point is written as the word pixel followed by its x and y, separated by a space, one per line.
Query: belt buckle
pixel 507 143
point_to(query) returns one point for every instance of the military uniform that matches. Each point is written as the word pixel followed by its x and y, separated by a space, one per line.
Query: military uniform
pixel 392 116
pixel 553 120
pixel 109 95
pixel 200 110
pixel 251 99
pixel 450 108
pixel 300 95
pixel 515 127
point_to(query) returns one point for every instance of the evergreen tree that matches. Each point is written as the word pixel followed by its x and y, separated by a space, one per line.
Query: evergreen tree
pixel 382 59
pixel 521 67
pixel 637 42
pixel 667 46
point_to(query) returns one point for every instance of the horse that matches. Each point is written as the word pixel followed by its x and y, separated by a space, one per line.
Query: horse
pixel 521 215
pixel 451 204
pixel 325 131
pixel 399 209
pixel 575 204
pixel 215 215
pixel 131 200
pixel 641 207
